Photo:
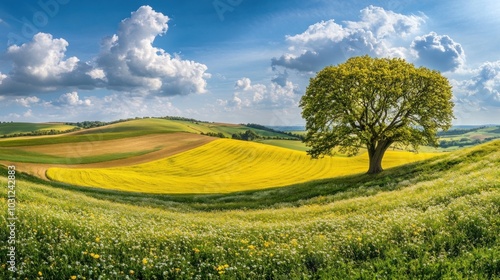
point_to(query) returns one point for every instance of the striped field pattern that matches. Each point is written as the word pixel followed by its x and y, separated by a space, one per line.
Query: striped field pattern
pixel 224 166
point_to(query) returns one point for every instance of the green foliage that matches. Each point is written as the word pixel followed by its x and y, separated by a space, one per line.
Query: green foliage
pixel 291 135
pixel 248 135
pixel 88 124
pixel 375 103
pixel 213 134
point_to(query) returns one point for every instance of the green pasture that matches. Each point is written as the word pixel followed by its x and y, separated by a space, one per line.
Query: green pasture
pixel 16 127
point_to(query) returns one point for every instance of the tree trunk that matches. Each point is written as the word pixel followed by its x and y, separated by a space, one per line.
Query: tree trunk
pixel 376 153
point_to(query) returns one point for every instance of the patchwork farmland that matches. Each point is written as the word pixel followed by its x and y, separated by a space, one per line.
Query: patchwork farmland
pixel 223 166
pixel 154 198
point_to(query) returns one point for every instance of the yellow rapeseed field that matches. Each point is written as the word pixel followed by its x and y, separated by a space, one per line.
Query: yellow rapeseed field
pixel 224 166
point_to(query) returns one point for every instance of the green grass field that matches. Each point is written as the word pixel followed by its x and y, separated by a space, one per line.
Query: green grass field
pixel 437 219
pixel 20 156
pixel 431 219
pixel 134 128
pixel 110 132
pixel 289 144
pixel 298 145
pixel 13 128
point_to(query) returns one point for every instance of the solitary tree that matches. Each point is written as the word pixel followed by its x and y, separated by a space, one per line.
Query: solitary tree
pixel 374 102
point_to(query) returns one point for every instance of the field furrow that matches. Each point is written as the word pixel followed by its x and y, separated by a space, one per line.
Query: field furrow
pixel 224 166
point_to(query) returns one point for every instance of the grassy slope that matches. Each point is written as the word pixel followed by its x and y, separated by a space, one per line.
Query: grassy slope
pixel 289 144
pixel 132 128
pixel 13 128
pixel 433 220
pixel 490 131
pixel 11 148
pixel 301 146
pixel 21 156
pixel 223 166
pixel 227 129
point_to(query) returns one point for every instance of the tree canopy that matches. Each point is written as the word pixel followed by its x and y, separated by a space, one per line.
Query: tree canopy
pixel 375 102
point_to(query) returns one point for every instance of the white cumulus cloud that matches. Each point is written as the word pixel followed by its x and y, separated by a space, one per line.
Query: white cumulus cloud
pixel 40 65
pixel 72 99
pixel 483 86
pixel 27 101
pixel 42 59
pixel 128 62
pixel 97 74
pixel 438 52
pixel 131 62
pixel 2 77
pixel 248 95
pixel 376 33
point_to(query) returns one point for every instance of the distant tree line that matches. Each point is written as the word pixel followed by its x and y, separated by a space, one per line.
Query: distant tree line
pixel 248 135
pixel 214 134
pixel 265 128
pixel 175 118
pixel 92 124
pixel 40 133
pixel 464 142
pixel 297 136
pixel 261 127
pixel 455 132
pixel 497 130
pixel 87 124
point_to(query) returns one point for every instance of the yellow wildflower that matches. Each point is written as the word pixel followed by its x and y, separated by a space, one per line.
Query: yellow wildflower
pixel 144 261
pixel 73 277
pixel 40 273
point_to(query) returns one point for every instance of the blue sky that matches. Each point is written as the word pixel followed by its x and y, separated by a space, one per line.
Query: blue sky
pixel 234 61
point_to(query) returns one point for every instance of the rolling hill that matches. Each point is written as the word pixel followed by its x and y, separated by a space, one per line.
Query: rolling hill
pixel 437 219
pixel 143 149
pixel 117 144
pixel 12 128
pixel 223 166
